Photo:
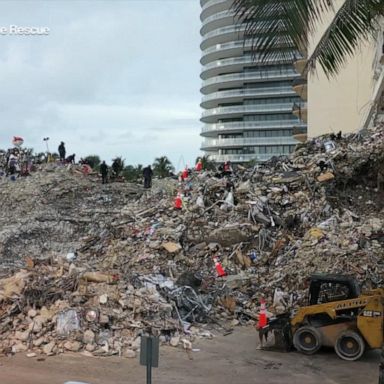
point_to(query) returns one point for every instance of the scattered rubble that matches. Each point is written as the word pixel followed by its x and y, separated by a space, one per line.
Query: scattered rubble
pixel 90 267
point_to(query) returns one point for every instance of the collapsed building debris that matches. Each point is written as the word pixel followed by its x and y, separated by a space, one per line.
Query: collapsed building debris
pixel 89 267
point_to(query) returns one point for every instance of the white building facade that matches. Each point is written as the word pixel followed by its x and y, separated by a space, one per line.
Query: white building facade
pixel 247 104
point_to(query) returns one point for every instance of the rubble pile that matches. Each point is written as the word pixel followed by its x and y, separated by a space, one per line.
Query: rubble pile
pixel 89 267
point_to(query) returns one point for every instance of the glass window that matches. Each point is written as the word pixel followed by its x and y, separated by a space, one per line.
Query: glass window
pixel 249 150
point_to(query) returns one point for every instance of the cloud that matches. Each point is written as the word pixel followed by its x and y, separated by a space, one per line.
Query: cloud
pixel 112 78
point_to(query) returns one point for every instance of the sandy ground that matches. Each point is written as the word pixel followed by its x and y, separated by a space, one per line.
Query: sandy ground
pixel 224 360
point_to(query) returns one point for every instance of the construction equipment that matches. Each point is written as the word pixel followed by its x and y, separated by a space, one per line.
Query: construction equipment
pixel 337 316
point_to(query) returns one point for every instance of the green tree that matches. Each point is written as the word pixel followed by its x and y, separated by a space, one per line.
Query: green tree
pixel 162 167
pixel 129 173
pixel 139 171
pixel 133 173
pixel 293 22
pixel 93 161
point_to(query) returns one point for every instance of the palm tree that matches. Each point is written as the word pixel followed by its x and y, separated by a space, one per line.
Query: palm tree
pixel 269 23
pixel 162 167
pixel 133 173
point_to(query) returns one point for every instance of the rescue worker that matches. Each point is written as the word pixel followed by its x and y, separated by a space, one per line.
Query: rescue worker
pixel 70 159
pixel 199 166
pixel 227 167
pixel 62 151
pixel 116 168
pixel 104 172
pixel 147 173
pixel 185 174
pixel 12 163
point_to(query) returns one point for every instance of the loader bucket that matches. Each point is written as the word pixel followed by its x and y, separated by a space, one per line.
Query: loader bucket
pixel 280 327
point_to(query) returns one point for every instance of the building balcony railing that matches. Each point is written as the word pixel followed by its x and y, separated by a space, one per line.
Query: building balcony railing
pixel 213 99
pixel 218 16
pixel 222 35
pixel 252 125
pixel 250 76
pixel 247 142
pixel 235 46
pixel 273 91
pixel 230 45
pixel 237 30
pixel 247 60
pixel 213 7
pixel 224 50
pixel 243 109
pixel 209 3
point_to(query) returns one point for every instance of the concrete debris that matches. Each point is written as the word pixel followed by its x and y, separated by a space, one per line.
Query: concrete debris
pixel 172 247
pixel 88 268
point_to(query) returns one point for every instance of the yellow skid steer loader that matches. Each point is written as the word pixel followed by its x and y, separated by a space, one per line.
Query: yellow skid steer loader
pixel 338 315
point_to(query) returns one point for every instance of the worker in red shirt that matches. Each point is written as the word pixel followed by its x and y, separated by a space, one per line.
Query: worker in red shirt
pixel 199 166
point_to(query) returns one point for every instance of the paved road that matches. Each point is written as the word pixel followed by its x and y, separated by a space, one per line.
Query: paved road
pixel 225 360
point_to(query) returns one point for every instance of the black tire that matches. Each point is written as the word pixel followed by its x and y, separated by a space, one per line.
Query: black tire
pixel 350 346
pixel 307 340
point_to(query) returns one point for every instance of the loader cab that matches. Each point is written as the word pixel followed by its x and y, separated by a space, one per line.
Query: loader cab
pixel 325 288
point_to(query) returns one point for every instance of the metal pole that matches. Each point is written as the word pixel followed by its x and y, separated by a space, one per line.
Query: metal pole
pixel 149 360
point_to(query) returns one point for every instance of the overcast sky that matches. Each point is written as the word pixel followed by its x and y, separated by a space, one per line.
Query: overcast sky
pixel 111 78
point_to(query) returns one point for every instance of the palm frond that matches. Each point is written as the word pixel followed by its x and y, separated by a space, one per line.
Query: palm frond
pixel 268 24
pixel 355 22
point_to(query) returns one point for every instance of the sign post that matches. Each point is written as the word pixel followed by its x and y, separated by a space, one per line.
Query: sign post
pixel 149 354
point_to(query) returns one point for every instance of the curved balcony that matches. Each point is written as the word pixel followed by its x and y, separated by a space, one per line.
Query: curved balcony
pixel 237 80
pixel 242 158
pixel 230 49
pixel 214 144
pixel 223 35
pixel 212 115
pixel 213 99
pixel 213 130
pixel 217 20
pixel 301 111
pixel 236 64
pixel 211 7
pixel 225 50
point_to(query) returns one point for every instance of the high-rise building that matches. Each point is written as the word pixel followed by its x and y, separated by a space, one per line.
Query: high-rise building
pixel 248 103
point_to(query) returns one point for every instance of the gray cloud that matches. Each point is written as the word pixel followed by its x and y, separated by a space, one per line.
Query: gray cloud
pixel 112 78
